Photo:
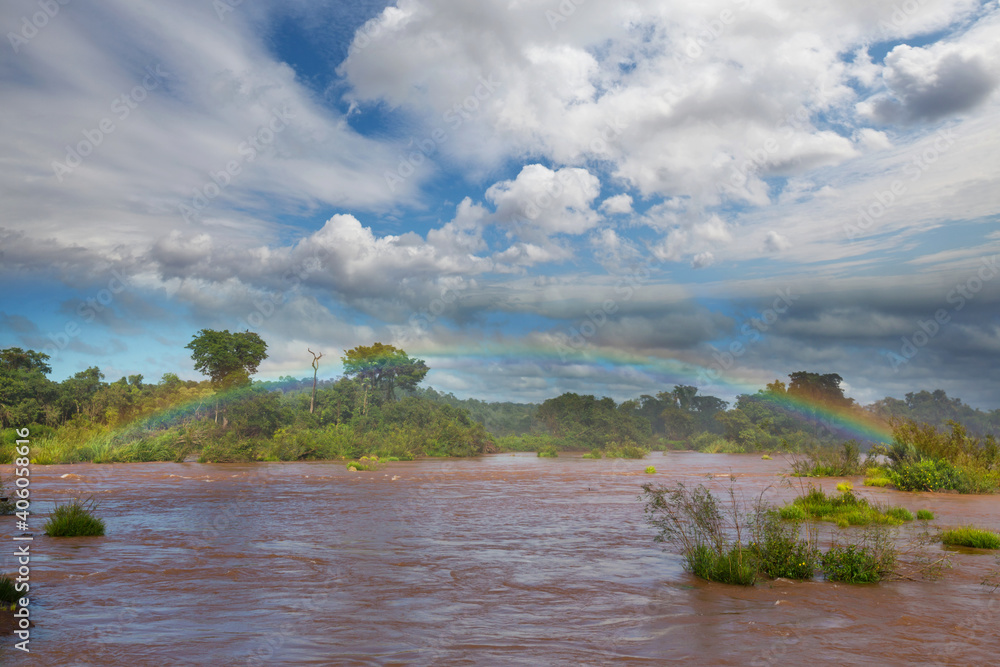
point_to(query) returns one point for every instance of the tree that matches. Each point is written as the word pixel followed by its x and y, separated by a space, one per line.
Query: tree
pixel 315 365
pixel 229 359
pixel 384 368
pixel 820 388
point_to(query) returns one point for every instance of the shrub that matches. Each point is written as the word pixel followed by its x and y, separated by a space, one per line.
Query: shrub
pixel 74 519
pixel 830 461
pixel 626 450
pixel 925 515
pixel 867 562
pixel 365 463
pixel 779 551
pixel 877 481
pixel 548 452
pixel 594 454
pixel 845 486
pixel 765 458
pixel 969 536
pixel 650 470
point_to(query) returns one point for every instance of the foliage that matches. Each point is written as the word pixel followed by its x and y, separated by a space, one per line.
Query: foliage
pixel 229 359
pixel 921 458
pixel 830 462
pixel 735 566
pixel 8 593
pixel 779 550
pixel 586 422
pixel 845 486
pixel 383 368
pixel 593 454
pixel 970 536
pixel 365 463
pixel 925 515
pixel 650 470
pixel 548 452
pixel 74 519
pixel 845 510
pixel 852 564
pixel 765 457
pixel 625 450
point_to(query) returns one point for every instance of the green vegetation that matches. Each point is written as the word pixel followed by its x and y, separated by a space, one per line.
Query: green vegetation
pixel 378 409
pixel 548 452
pixel 731 542
pixel 925 515
pixel 857 564
pixel 921 458
pixel 365 463
pixel 765 458
pixel 844 461
pixel 8 593
pixel 650 470
pixel 969 536
pixel 593 454
pixel 74 519
pixel 844 510
pixel 844 487
pixel 626 450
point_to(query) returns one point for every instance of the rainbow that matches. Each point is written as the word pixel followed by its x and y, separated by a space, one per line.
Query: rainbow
pixel 845 422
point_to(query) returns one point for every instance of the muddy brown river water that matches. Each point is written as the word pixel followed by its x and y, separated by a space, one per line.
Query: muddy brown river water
pixel 500 560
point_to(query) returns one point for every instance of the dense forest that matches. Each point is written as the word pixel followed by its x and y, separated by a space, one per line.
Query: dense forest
pixel 378 409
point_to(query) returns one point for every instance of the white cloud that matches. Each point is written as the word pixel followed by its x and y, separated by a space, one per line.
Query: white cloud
pixel 617 204
pixel 541 202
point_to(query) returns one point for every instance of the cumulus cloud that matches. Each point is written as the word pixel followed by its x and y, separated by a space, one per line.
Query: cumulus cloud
pixel 541 202
pixel 926 84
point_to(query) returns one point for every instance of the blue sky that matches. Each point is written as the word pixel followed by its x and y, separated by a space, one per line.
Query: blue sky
pixel 535 197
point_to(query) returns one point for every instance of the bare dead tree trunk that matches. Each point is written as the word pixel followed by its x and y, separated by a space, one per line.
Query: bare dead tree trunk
pixel 315 365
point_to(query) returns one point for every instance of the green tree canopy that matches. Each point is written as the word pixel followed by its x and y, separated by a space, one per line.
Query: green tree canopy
pixel 384 367
pixel 229 359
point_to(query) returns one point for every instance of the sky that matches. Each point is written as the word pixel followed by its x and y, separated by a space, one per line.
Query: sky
pixel 533 196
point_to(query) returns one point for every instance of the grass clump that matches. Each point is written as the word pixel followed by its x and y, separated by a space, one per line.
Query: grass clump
pixel 844 510
pixel 593 454
pixel 8 594
pixel 970 536
pixel 650 470
pixel 900 513
pixel 735 566
pixel 880 482
pixel 765 457
pixel 74 519
pixel 925 515
pixel 548 452
pixel 845 486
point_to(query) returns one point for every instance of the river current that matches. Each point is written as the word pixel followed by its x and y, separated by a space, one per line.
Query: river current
pixel 499 560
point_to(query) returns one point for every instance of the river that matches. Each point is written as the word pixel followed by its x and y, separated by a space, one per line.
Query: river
pixel 499 560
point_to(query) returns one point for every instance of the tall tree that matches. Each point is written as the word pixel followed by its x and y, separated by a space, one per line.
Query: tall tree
pixel 229 359
pixel 384 368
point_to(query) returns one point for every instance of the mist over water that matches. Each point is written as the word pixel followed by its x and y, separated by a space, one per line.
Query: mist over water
pixel 504 559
